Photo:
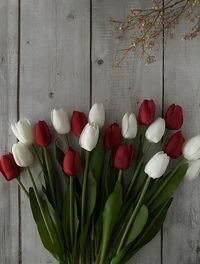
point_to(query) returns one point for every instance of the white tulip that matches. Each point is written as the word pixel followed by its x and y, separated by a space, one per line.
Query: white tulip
pixel 97 115
pixel 157 165
pixel 60 121
pixel 23 131
pixel 129 126
pixel 89 137
pixel 191 149
pixel 156 130
pixel 22 155
pixel 193 170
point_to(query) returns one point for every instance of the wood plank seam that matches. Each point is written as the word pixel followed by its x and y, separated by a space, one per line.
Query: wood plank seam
pixel 18 116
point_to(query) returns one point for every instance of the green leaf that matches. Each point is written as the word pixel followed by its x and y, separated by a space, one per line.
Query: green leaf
pixel 110 216
pixel 136 229
pixel 97 159
pixel 91 200
pixel 59 154
pixel 138 224
pixel 168 187
pixel 76 225
pixel 65 214
pixel 152 227
pixel 52 247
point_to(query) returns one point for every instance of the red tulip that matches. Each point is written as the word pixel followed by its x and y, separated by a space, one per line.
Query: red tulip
pixel 112 136
pixel 174 145
pixel 123 156
pixel 72 163
pixel 8 167
pixel 174 117
pixel 78 121
pixel 146 113
pixel 42 134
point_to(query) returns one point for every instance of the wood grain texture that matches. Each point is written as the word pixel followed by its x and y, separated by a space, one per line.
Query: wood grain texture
pixel 56 37
pixel 121 89
pixel 181 241
pixel 9 206
pixel 54 73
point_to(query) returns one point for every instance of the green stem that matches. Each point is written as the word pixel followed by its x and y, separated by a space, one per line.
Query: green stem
pixel 165 138
pixel 138 205
pixel 120 175
pixel 167 179
pixel 38 156
pixel 67 140
pixel 22 187
pixel 84 190
pixel 49 174
pixel 71 211
pixel 39 201
pixel 130 186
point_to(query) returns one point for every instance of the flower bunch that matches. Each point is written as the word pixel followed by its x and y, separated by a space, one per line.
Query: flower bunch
pixel 101 201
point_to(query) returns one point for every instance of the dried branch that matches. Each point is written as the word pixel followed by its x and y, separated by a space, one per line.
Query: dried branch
pixel 146 26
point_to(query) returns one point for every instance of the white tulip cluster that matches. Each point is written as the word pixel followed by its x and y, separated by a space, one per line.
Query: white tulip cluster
pixel 90 134
pixel 24 133
pixel 191 152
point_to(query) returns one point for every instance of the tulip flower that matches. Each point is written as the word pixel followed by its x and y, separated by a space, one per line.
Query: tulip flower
pixel 89 137
pixel 193 170
pixel 157 165
pixel 97 115
pixel 123 156
pixel 155 131
pixel 112 136
pixel 23 131
pixel 146 113
pixel 174 117
pixel 72 163
pixel 22 155
pixel 129 126
pixel 191 149
pixel 8 167
pixel 78 122
pixel 174 145
pixel 60 121
pixel 42 134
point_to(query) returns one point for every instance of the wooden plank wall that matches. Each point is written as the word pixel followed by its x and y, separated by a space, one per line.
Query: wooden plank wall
pixel 56 53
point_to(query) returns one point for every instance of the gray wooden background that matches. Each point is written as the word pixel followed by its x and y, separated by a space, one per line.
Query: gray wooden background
pixel 59 53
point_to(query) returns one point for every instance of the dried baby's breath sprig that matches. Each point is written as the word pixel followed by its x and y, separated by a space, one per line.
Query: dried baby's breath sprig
pixel 148 27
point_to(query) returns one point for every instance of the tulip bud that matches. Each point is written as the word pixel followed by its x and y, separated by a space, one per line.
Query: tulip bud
pixel 191 149
pixel 22 155
pixel 129 126
pixel 42 134
pixel 78 122
pixel 155 131
pixel 8 167
pixel 123 156
pixel 112 136
pixel 174 117
pixel 193 170
pixel 157 165
pixel 23 131
pixel 60 121
pixel 97 115
pixel 174 145
pixel 72 163
pixel 89 137
pixel 146 113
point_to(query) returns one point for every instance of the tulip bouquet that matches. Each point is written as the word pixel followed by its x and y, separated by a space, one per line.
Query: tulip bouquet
pixel 103 201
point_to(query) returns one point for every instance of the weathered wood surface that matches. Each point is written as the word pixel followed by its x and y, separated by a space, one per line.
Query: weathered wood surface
pixel 9 202
pixel 65 60
pixel 181 242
